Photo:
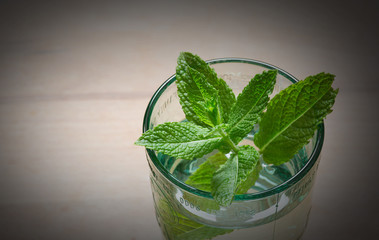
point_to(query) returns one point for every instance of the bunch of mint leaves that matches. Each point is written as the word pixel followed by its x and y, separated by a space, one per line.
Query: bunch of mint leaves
pixel 219 120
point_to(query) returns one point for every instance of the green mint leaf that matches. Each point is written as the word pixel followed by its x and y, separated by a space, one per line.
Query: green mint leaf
pixel 292 117
pixel 250 105
pixel 226 94
pixel 224 181
pixel 189 92
pixel 247 173
pixel 244 186
pixel 248 170
pixel 179 227
pixel 202 177
pixel 181 140
pixel 207 105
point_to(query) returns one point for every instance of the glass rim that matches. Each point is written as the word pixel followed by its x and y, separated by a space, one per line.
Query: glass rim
pixel 247 196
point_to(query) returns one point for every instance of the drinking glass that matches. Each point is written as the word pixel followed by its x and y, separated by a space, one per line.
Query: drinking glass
pixel 276 207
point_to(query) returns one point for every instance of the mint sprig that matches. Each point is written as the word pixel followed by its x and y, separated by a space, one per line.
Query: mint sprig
pixel 217 120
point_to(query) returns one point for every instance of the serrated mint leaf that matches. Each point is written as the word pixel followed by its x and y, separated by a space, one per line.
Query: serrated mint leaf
pixel 247 164
pixel 243 187
pixel 247 172
pixel 189 92
pixel 224 181
pixel 292 117
pixel 202 177
pixel 207 106
pixel 226 94
pixel 236 176
pixel 250 105
pixel 227 97
pixel 180 139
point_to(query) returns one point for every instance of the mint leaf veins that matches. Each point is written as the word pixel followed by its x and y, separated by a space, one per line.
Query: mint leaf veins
pixel 250 104
pixel 195 79
pixel 217 120
pixel 293 116
pixel 181 140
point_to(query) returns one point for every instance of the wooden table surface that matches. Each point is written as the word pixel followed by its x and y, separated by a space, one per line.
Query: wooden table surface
pixel 76 76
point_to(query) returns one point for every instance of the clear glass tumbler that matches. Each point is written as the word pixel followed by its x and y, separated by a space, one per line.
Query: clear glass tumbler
pixel 276 207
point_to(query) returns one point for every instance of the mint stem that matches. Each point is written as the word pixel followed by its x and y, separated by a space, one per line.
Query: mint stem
pixel 226 137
